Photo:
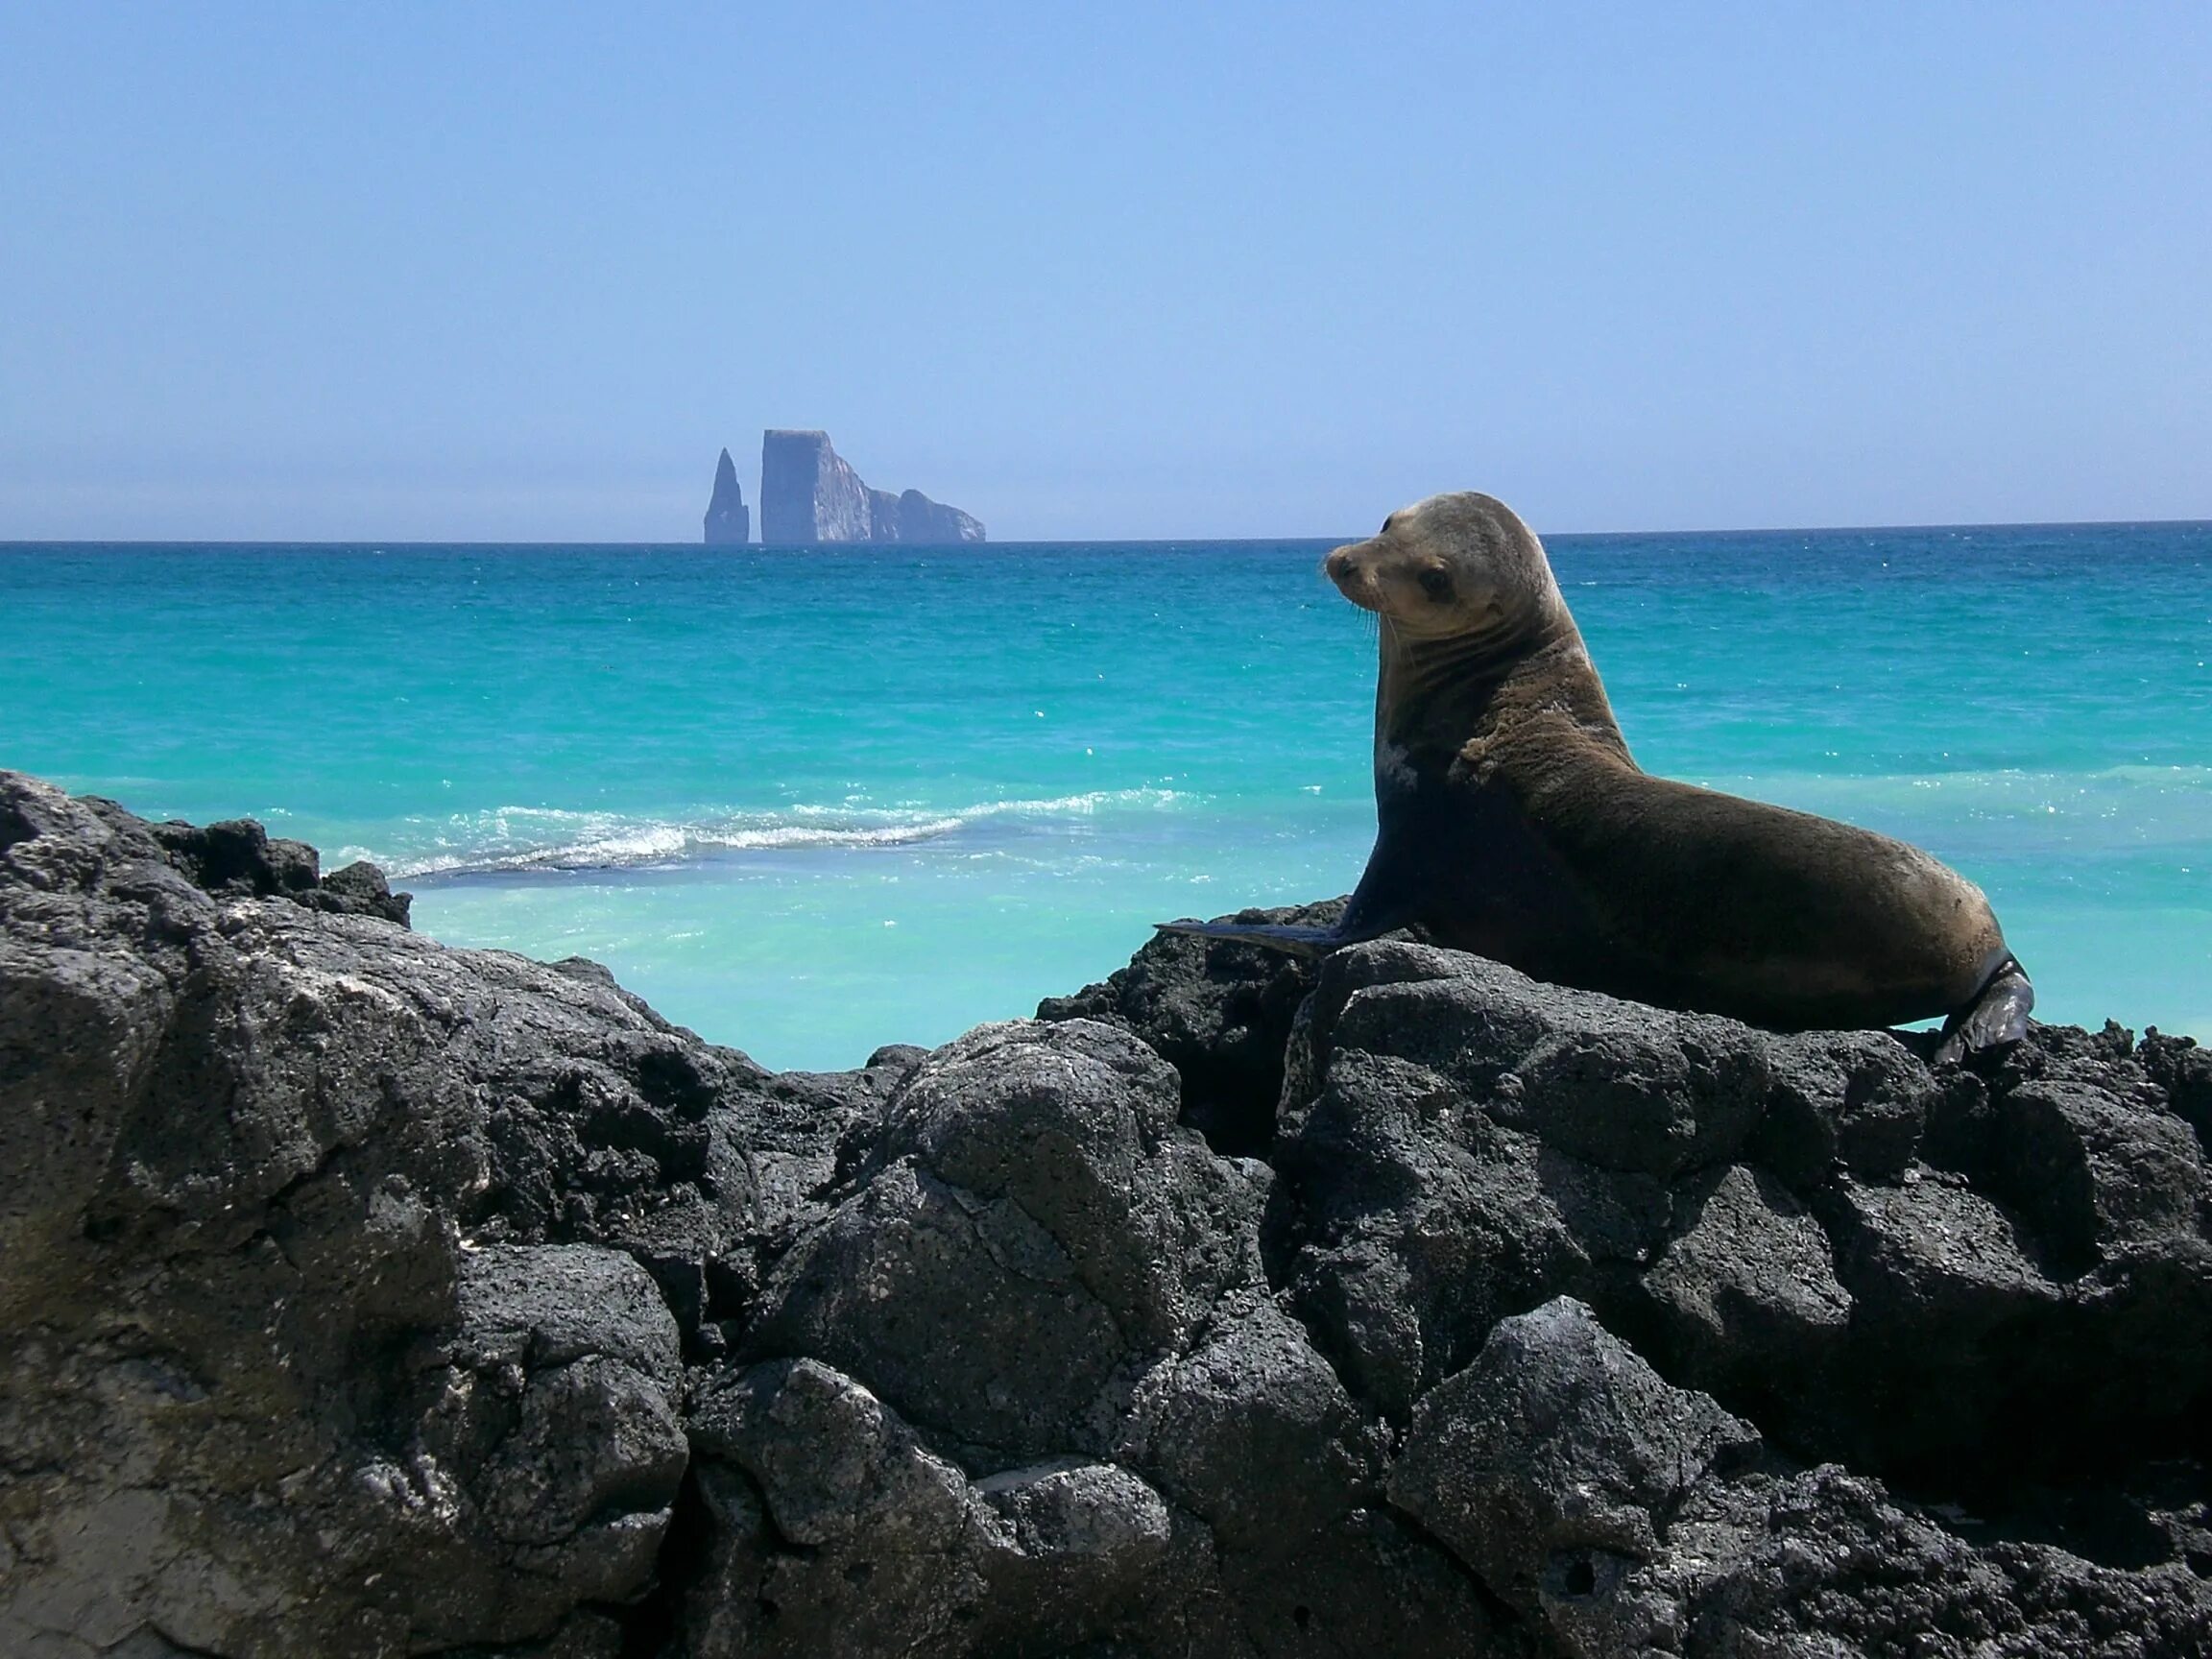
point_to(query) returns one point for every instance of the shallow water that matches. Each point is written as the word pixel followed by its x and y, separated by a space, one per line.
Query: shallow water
pixel 809 802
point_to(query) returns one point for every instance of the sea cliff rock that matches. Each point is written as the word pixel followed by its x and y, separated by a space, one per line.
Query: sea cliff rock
pixel 912 517
pixel 728 522
pixel 810 495
pixel 360 1296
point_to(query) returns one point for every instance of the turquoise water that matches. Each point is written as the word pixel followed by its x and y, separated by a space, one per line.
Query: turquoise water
pixel 811 802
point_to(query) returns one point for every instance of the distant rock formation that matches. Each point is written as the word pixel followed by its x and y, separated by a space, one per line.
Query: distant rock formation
pixel 727 523
pixel 810 495
pixel 807 493
pixel 912 517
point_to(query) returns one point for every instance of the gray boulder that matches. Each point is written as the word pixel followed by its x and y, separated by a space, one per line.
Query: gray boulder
pixel 1220 1013
pixel 837 1532
pixel 1554 1462
pixel 1033 1226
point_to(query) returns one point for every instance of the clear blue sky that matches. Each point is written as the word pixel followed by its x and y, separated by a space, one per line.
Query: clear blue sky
pixel 484 272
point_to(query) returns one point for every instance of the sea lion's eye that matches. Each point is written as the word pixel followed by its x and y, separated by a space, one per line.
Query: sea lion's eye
pixel 1387 522
pixel 1436 582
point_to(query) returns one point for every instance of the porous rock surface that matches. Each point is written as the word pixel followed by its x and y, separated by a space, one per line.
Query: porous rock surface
pixel 360 1296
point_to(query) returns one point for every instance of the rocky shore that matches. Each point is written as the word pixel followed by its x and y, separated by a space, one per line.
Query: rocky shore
pixel 360 1296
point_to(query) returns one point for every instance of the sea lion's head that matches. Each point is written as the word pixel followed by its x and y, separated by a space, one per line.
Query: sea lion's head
pixel 1450 566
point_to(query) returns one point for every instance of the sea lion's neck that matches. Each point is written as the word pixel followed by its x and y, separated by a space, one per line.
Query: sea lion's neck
pixel 1434 696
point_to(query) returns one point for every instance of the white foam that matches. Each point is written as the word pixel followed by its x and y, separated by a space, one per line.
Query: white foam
pixel 529 838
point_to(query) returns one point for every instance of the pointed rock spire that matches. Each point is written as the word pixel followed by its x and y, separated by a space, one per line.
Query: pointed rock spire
pixel 727 523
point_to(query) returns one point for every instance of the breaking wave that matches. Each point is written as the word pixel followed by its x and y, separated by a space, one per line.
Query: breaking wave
pixel 530 838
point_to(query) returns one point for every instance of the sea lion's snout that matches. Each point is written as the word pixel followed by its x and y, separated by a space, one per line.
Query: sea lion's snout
pixel 1353 578
pixel 1451 568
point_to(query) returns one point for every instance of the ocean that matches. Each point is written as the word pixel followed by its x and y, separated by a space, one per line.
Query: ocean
pixel 812 802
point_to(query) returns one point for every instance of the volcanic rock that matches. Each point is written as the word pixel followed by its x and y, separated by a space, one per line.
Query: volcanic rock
pixel 360 1296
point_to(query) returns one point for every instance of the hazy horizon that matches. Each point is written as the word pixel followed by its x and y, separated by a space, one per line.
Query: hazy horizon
pixel 758 546
pixel 286 274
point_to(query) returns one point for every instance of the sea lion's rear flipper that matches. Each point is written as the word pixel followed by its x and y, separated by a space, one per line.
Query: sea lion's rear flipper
pixel 1997 1015
pixel 1274 936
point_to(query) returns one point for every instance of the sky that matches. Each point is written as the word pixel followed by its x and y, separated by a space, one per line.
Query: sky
pixel 491 273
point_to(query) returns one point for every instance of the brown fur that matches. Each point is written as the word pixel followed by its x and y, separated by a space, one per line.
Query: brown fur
pixel 1588 870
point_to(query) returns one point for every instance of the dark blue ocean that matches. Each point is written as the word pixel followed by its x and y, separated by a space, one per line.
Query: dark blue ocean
pixel 811 802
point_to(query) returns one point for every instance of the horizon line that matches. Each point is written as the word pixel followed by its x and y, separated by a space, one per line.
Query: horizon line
pixel 377 543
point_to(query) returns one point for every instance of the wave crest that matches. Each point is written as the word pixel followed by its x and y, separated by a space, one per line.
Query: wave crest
pixel 534 838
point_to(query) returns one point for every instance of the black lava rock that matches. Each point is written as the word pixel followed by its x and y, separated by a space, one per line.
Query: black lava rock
pixel 363 1297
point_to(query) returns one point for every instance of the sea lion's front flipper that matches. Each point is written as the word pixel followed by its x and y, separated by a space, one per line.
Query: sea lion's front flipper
pixel 1274 936
pixel 1998 1014
pixel 1382 901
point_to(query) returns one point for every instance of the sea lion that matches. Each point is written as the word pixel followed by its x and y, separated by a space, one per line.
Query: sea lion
pixel 1512 821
